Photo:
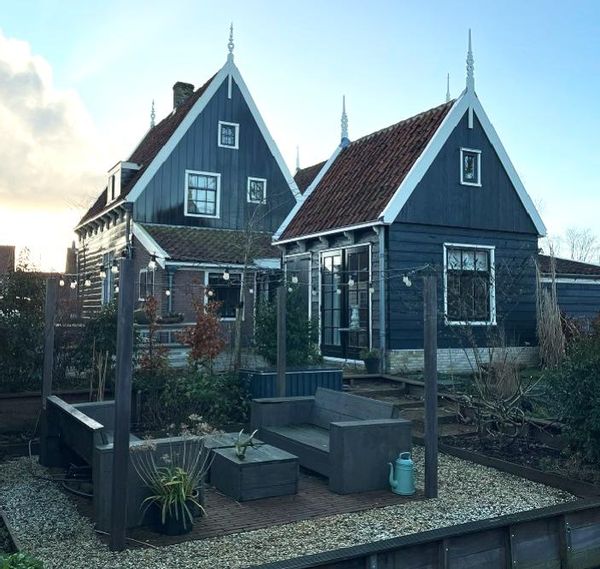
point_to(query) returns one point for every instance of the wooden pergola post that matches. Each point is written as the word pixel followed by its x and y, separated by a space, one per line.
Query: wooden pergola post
pixel 281 339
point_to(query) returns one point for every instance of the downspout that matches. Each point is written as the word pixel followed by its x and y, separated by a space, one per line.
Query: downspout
pixel 170 285
pixel 382 299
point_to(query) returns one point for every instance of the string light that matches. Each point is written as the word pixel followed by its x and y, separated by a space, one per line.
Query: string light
pixel 371 289
pixel 210 293
pixel 73 284
pixel 314 292
pixel 226 275
pixel 61 282
pixel 167 292
pixel 152 263
pixel 295 279
pixel 115 267
pixel 406 280
pixel 103 273
pixel 290 289
pixel 338 291
pixel 251 290
pixel 87 282
pixel 350 281
pixel 116 289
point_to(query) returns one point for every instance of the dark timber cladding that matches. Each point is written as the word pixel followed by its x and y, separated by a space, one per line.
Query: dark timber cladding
pixel 579 300
pixel 412 245
pixel 163 199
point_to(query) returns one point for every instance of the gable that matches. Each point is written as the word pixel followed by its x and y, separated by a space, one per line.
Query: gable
pixel 440 199
pixel 162 199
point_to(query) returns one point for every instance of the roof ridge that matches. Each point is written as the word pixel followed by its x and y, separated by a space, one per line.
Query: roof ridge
pixel 195 227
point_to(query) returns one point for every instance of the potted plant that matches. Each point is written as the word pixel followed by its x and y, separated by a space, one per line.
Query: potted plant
pixel 372 360
pixel 175 482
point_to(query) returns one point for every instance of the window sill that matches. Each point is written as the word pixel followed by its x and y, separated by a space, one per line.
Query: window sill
pixel 468 323
pixel 472 184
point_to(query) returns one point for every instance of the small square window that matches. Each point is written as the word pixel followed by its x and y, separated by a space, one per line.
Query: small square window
pixel 228 134
pixel 470 167
pixel 257 190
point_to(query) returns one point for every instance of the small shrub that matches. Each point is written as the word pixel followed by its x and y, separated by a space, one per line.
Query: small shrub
pixel 20 561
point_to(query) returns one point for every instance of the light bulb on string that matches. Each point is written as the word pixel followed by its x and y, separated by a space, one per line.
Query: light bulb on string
pixel 251 290
pixel 406 280
pixel 116 289
pixel 338 291
pixel 61 282
pixel 73 284
pixel 87 282
pixel 115 267
pixel 167 292
pixel 152 263
pixel 103 273
pixel 350 281
pixel 226 275
pixel 295 279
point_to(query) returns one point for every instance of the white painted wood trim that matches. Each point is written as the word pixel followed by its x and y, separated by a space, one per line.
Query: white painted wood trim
pixel 252 179
pixel 217 198
pixel 462 181
pixel 148 243
pixel 304 197
pixel 236 126
pixel 492 250
pixel 571 280
pixel 330 232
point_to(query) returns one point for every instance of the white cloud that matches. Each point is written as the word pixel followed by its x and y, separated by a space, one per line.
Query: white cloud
pixel 48 144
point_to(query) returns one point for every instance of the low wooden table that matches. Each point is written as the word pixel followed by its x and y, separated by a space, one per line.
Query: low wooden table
pixel 265 472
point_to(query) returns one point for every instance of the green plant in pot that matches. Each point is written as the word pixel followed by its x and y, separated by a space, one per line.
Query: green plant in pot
pixel 372 360
pixel 175 481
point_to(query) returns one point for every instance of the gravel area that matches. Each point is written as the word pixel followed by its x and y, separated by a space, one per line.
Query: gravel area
pixel 50 528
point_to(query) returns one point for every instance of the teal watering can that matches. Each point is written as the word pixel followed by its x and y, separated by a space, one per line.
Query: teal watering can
pixel 402 475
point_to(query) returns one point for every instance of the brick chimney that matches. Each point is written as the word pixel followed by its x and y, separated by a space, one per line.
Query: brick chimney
pixel 181 91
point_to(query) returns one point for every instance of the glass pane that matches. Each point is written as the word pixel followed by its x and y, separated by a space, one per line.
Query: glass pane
pixel 468 260
pixel 454 259
pixel 481 261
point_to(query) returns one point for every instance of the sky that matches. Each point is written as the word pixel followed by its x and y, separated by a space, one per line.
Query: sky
pixel 77 80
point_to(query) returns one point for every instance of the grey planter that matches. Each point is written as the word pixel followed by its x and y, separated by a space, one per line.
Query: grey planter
pixel 299 383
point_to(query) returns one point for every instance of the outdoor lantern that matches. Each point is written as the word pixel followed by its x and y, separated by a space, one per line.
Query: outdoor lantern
pixel 61 282
pixel 152 263
pixel 87 282
pixel 103 273
pixel 295 279
pixel 115 267
pixel 226 275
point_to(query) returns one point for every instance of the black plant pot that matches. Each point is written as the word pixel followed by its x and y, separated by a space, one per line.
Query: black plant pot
pixel 372 365
pixel 173 525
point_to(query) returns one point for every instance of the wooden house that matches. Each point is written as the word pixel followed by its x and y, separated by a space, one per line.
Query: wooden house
pixel 196 203
pixel 433 194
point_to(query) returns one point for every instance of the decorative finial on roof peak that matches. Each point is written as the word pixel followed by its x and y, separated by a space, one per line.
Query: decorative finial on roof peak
pixel 448 96
pixel 230 45
pixel 470 67
pixel 297 158
pixel 345 140
pixel 152 116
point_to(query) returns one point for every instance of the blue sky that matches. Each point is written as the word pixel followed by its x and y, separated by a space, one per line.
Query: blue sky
pixel 537 73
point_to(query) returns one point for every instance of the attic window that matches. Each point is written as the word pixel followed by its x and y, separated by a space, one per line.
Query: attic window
pixel 228 134
pixel 257 190
pixel 470 167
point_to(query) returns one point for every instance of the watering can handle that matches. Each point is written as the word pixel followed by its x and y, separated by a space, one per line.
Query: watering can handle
pixel 405 455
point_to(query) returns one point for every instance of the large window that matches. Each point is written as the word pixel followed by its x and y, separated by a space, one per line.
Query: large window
pixel 228 134
pixel 146 284
pixel 469 284
pixel 202 194
pixel 225 291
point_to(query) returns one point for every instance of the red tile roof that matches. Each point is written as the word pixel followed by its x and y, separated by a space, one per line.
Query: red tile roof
pixel 568 268
pixel 200 244
pixel 365 175
pixel 148 148
pixel 305 176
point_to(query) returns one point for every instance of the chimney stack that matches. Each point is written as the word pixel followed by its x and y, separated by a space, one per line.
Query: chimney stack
pixel 181 91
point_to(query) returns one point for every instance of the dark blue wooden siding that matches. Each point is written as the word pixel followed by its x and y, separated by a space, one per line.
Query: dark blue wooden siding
pixel 440 199
pixel 579 300
pixel 163 199
pixel 411 246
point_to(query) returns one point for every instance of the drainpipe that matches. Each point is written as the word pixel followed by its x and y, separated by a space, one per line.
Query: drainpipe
pixel 170 288
pixel 382 298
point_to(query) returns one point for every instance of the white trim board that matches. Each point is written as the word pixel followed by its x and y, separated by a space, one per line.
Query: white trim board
pixel 571 280
pixel 229 69
pixel 148 243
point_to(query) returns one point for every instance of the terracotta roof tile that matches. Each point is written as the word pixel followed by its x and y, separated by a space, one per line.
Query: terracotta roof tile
pixel 567 267
pixel 365 175
pixel 148 148
pixel 199 244
pixel 305 176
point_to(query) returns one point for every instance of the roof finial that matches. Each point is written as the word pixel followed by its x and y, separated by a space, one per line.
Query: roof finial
pixel 152 115
pixel 297 158
pixel 230 45
pixel 470 67
pixel 345 140
pixel 448 96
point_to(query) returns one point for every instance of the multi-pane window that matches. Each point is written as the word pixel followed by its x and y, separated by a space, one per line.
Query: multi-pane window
pixel 202 194
pixel 228 134
pixel 146 284
pixel 470 290
pixel 227 292
pixel 257 190
pixel 470 167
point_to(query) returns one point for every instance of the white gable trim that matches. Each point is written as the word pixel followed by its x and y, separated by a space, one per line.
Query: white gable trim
pixel 228 70
pixel 304 197
pixel 468 100
pixel 148 242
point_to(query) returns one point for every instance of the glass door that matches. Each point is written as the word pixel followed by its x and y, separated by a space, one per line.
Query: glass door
pixel 331 304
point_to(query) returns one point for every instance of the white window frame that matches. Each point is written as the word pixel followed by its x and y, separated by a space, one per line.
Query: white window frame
pixel 492 252
pixel 264 181
pixel 237 135
pixel 217 199
pixel 146 271
pixel 462 180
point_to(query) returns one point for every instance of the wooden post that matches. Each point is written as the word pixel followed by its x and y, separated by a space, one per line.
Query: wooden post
pixel 124 371
pixel 281 339
pixel 430 373
pixel 49 322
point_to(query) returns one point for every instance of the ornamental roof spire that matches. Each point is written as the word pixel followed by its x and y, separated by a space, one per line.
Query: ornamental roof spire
pixel 152 116
pixel 344 122
pixel 448 96
pixel 297 158
pixel 230 44
pixel 470 67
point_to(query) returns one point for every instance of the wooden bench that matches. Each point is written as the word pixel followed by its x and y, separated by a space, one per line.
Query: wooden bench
pixel 349 439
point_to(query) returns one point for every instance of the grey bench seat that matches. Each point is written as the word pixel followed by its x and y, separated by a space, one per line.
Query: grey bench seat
pixel 349 439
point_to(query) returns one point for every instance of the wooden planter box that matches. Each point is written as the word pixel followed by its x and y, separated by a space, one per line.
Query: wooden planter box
pixel 265 472
pixel 298 383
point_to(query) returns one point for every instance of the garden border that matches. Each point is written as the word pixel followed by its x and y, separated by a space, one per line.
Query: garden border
pixel 11 533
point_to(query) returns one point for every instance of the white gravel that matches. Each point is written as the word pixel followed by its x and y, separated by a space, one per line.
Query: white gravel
pixel 48 525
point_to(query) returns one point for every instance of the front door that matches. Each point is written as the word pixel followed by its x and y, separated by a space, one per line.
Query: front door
pixel 345 302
